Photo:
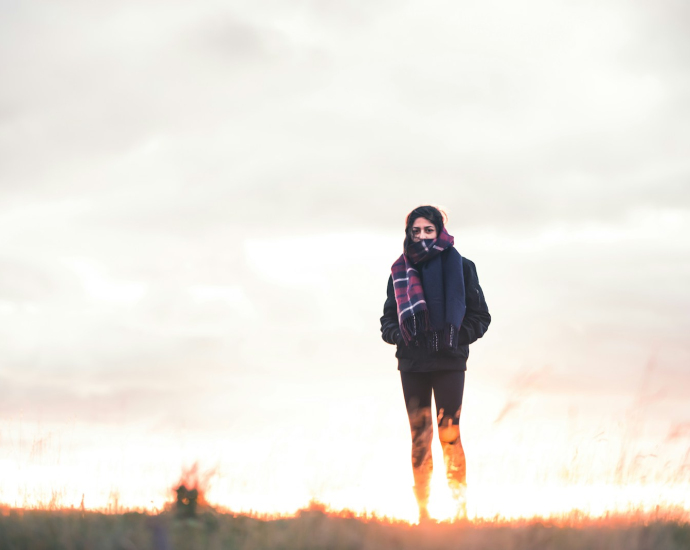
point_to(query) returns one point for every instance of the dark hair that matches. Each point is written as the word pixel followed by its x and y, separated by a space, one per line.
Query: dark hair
pixel 431 213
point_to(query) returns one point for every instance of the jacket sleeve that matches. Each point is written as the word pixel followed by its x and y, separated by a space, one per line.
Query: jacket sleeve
pixel 390 329
pixel 477 318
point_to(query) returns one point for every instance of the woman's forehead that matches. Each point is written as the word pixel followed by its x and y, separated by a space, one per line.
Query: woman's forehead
pixel 421 222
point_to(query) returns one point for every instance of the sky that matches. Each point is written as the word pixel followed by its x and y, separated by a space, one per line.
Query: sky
pixel 200 204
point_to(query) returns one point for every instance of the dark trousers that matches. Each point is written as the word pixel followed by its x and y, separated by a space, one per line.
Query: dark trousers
pixel 447 387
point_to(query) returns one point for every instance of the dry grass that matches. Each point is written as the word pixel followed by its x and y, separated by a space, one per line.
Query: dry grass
pixel 316 529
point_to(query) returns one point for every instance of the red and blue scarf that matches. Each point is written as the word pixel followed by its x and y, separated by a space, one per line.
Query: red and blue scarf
pixel 430 293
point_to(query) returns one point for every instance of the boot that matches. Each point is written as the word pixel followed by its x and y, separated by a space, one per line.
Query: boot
pixel 421 493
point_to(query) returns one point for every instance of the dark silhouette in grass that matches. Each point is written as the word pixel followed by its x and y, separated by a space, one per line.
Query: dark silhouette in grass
pixel 187 500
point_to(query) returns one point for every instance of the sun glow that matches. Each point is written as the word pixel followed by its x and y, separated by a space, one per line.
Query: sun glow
pixel 367 476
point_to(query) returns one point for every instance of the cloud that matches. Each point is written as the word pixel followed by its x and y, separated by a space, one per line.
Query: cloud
pixel 146 146
pixel 505 116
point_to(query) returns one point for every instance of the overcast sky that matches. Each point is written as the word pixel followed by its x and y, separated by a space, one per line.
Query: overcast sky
pixel 200 204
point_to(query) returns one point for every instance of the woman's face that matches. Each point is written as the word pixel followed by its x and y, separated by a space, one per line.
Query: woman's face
pixel 423 229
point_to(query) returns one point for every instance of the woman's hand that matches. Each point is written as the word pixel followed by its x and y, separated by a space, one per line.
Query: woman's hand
pixel 398 337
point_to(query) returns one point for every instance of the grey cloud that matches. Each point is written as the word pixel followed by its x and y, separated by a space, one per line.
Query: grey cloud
pixel 113 82
pixel 662 42
pixel 234 40
pixel 158 408
pixel 21 282
pixel 41 401
pixel 182 130
pixel 219 112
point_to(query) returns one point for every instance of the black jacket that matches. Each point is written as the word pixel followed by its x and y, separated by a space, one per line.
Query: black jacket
pixel 474 325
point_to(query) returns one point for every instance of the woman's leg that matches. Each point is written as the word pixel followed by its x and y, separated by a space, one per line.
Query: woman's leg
pixel 448 388
pixel 417 388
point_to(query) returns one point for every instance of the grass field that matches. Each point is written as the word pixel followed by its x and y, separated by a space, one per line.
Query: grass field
pixel 315 529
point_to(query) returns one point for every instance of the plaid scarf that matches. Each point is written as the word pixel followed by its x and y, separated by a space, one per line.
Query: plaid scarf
pixel 431 306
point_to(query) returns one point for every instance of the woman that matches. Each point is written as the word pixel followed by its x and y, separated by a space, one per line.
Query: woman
pixel 435 309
